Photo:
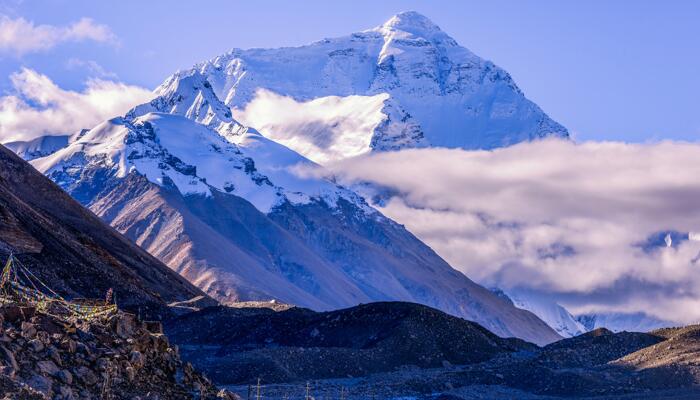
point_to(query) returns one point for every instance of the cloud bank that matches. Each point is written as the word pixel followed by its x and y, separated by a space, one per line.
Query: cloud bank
pixel 39 107
pixel 569 220
pixel 19 36
pixel 323 129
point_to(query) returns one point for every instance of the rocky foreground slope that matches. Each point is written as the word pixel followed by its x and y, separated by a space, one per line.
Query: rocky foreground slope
pixel 43 357
pixel 67 247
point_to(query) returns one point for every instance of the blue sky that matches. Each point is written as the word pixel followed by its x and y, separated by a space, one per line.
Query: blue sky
pixel 623 70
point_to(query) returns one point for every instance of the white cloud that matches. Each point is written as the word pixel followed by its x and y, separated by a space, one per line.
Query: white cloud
pixel 323 129
pixel 561 218
pixel 40 107
pixel 19 36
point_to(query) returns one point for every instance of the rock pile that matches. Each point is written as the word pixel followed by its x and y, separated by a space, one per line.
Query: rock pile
pixel 116 357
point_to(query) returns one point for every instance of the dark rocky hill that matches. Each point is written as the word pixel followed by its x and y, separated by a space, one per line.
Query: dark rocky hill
pixel 388 350
pixel 236 345
pixel 74 251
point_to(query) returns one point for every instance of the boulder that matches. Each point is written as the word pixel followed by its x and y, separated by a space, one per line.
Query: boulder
pixel 8 358
pixel 54 354
pixel 47 324
pixel 137 359
pixel 154 327
pixel 36 345
pixel 10 313
pixel 130 373
pixel 41 384
pixel 28 330
pixel 125 325
pixel 47 367
pixel 86 376
pixel 65 376
pixel 66 393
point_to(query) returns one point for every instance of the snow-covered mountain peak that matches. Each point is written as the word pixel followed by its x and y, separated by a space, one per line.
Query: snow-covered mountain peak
pixel 411 22
pixel 190 95
pixel 403 84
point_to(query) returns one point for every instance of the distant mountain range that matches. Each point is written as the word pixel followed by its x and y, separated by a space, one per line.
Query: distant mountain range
pixel 197 196
pixel 230 216
pixel 39 147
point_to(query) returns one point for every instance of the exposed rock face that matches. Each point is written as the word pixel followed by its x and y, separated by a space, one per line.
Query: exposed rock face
pixel 239 345
pixel 109 358
pixel 69 247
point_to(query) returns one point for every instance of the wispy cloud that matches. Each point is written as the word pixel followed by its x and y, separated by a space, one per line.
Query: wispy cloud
pixel 40 107
pixel 19 36
pixel 91 66
pixel 561 218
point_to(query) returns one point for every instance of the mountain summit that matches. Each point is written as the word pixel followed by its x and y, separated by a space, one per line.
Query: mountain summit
pixel 411 22
pixel 403 84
